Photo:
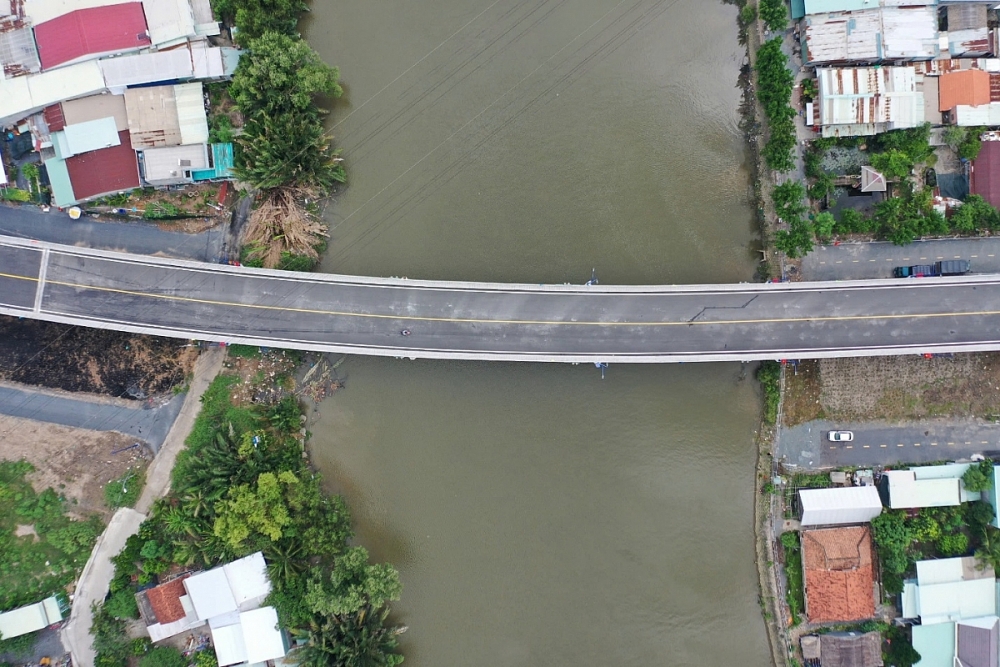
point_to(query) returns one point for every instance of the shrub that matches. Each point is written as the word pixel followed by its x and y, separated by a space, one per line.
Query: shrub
pixel 163 656
pixel 953 545
pixel 122 605
pixel 769 376
pixel 774 14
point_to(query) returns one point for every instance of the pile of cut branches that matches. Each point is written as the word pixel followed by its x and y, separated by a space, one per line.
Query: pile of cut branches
pixel 283 223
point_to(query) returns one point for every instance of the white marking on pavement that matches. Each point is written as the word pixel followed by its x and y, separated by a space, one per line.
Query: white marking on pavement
pixel 849 447
pixel 901 445
pixel 867 446
pixel 916 444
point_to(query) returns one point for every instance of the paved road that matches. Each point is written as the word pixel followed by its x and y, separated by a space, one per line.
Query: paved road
pixel 879 443
pixel 858 261
pixel 563 323
pixel 150 425
pixel 134 237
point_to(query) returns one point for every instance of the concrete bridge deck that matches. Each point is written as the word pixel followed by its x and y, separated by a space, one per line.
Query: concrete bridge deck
pixel 558 323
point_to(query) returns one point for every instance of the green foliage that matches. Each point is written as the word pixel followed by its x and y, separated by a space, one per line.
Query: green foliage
pixel 163 656
pixel 279 75
pixel 250 516
pixel 34 568
pixel 206 658
pixel 254 18
pixel 822 186
pixel 789 205
pixel 16 194
pixel 111 640
pixel 775 14
pixel 914 142
pixel 124 491
pixel 161 210
pixel 988 553
pixel 769 376
pixel 243 351
pixel 899 650
pixel 20 646
pixel 892 539
pixel 774 90
pixel 823 226
pixel 953 545
pixel 979 477
pixel 893 163
pixel 122 605
pixel 975 215
pixel 970 146
pixel 853 222
pixel 287 148
pixel 923 528
pixel 220 129
pixel 795 596
pixel 353 584
pixel 748 14
pixel 977 515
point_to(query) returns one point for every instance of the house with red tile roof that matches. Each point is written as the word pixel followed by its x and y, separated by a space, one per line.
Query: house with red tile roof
pixel 91 33
pixel 839 575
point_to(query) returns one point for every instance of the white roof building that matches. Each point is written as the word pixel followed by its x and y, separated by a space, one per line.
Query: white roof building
pixel 92 135
pixel 839 506
pixel 170 22
pixel 253 637
pixel 30 618
pixel 24 95
pixel 927 486
pixel 872 35
pixel 950 589
pixel 133 70
pixel 172 165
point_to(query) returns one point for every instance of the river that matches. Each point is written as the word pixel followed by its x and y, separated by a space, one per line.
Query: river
pixel 538 514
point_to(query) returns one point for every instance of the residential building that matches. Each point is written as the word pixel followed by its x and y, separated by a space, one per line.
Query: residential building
pixel 850 649
pixel 228 599
pixel 926 486
pixel 30 618
pixel 93 174
pixel 871 180
pixel 839 575
pixel 968 87
pixel 172 165
pixel 949 590
pixel 839 506
pixel 968 34
pixel 858 101
pixel 166 115
pixel 90 33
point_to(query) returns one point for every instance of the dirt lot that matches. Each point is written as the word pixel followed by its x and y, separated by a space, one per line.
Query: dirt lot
pixel 91 360
pixel 74 462
pixel 893 388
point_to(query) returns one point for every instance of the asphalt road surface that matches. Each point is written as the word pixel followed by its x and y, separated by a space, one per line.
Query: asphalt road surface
pixel 497 321
pixel 150 425
pixel 858 261
pixel 806 446
pixel 29 222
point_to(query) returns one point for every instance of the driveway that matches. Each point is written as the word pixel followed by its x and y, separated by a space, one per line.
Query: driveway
pixel 94 413
pixel 880 443
pixel 140 238
pixel 850 261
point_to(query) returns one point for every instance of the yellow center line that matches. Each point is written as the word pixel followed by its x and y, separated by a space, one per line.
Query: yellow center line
pixel 473 320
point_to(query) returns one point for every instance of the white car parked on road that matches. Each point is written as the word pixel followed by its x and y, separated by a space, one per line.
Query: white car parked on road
pixel 840 436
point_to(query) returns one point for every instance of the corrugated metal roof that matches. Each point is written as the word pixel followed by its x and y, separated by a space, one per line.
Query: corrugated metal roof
pixel 856 504
pixel 978 641
pixel 953 601
pixel 974 41
pixel 210 593
pixel 222 164
pixel 982 115
pixel 966 16
pixel 207 60
pixel 91 32
pixel 263 640
pixel 152 117
pixel 173 164
pixel 92 135
pixel 40 11
pixel 230 648
pixel 169 21
pixel 147 68
pixel 24 95
pixel 910 33
pixel 96 106
pixel 18 52
pixel 865 100
pixel 191 116
pixel 105 171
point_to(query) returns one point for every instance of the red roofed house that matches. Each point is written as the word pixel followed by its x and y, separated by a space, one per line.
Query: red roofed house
pixel 90 33
pixel 969 87
pixel 104 171
pixel 839 578
pixel 984 179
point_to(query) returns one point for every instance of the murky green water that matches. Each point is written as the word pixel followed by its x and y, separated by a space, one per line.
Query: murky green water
pixel 540 515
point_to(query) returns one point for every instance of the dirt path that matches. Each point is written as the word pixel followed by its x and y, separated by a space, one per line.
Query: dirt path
pixel 93 583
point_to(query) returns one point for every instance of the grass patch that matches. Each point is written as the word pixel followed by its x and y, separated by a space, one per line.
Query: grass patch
pixel 795 596
pixel 244 351
pixel 124 491
pixel 769 376
pixel 802 394
pixel 35 566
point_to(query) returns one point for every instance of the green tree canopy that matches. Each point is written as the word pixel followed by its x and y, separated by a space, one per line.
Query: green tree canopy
pixel 979 477
pixel 774 13
pixel 892 537
pixel 893 163
pixel 353 584
pixel 280 74
pixel 163 656
pixel 287 148
pixel 254 18
pixel 253 515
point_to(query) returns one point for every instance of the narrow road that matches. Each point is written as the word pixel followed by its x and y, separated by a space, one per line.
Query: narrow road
pixel 860 261
pixel 77 410
pixel 28 222
pixel 878 443
pixel 96 577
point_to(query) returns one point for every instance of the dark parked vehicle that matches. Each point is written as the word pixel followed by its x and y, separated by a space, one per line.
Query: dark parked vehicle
pixel 950 267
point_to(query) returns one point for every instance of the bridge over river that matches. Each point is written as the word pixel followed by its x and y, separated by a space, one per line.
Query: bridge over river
pixel 453 320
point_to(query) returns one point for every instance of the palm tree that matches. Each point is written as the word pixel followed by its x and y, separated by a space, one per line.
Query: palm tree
pixel 989 553
pixel 285 561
